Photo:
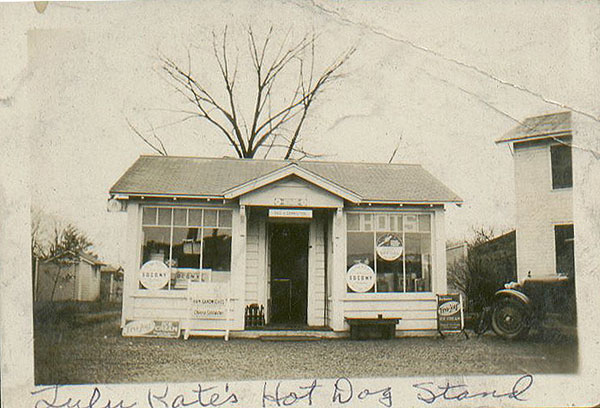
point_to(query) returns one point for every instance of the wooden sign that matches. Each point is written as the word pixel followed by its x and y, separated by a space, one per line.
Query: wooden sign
pixel 208 300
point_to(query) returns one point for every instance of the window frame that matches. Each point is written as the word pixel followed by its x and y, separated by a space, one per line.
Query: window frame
pixel 555 228
pixel 168 288
pixel 551 147
pixel 374 230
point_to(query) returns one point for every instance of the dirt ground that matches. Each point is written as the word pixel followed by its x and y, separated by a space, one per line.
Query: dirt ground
pixel 95 352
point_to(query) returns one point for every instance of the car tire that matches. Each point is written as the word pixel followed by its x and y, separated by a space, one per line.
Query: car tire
pixel 511 318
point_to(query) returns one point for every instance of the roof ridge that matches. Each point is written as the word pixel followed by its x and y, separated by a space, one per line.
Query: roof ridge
pixel 278 160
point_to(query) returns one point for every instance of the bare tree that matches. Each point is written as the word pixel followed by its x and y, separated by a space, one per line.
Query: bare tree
pixel 58 243
pixel 490 263
pixel 64 250
pixel 277 115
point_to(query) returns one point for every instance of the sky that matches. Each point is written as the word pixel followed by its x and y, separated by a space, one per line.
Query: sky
pixel 443 80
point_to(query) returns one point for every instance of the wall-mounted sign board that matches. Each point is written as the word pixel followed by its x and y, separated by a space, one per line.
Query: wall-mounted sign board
pixel 152 328
pixel 289 213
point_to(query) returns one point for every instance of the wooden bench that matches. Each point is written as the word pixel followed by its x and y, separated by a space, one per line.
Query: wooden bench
pixel 375 328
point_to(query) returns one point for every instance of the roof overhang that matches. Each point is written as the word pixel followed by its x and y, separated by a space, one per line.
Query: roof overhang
pixel 292 170
pixel 540 136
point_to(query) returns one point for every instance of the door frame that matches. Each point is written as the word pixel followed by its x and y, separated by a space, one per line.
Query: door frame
pixel 309 222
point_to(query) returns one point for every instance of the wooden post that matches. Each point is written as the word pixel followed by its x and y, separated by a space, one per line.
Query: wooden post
pixel 338 270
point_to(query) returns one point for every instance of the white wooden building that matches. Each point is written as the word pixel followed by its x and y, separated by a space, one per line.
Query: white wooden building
pixel 285 236
pixel 541 148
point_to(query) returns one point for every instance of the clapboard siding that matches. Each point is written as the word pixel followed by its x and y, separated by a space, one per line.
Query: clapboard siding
pixel 159 303
pixel 370 305
pixel 317 274
pixel 404 315
pixel 252 260
pixel 414 314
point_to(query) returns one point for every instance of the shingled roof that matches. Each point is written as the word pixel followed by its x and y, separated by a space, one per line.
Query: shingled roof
pixel 214 177
pixel 540 127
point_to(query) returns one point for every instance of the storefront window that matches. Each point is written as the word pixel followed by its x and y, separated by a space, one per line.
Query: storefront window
pixel 397 247
pixel 193 244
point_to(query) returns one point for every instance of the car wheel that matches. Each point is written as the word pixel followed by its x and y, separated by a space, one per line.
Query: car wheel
pixel 511 318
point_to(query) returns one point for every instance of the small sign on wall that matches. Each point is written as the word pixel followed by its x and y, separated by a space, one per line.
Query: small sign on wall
pixel 289 213
pixel 151 328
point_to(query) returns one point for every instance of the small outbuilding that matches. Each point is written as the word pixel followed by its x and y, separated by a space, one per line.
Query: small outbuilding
pixel 294 244
pixel 68 276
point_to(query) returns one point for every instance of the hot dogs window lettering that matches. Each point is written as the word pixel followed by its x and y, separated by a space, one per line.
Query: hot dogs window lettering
pixel 396 247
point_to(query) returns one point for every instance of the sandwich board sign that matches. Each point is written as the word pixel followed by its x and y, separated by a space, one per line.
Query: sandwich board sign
pixel 210 302
pixel 450 316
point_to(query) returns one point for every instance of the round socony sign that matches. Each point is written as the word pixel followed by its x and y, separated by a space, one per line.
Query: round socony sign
pixel 389 247
pixel 154 275
pixel 360 277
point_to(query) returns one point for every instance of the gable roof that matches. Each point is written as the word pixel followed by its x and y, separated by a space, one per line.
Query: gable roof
pixel 84 256
pixel 540 127
pixel 222 178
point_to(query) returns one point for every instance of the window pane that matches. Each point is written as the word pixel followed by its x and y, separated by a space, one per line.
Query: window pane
pixel 393 223
pixel 424 223
pixel 565 259
pixel 389 272
pixel 360 249
pixel 216 251
pixel 410 223
pixel 186 248
pixel 179 217
pixel 149 217
pixel 382 222
pixel 225 218
pixel 418 262
pixel 353 222
pixel 210 218
pixel 195 218
pixel 367 222
pixel 164 216
pixel 155 245
pixel 562 171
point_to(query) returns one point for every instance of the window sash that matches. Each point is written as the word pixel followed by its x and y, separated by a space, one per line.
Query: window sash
pixel 154 221
pixel 417 224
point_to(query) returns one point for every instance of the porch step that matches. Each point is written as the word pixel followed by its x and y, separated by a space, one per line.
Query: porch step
pixel 288 335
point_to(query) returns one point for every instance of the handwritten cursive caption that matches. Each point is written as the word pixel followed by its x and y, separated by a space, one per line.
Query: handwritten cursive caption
pixel 342 392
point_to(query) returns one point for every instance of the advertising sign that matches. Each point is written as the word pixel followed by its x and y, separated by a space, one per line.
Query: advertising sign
pixel 360 278
pixel 389 247
pixel 151 328
pixel 450 313
pixel 208 300
pixel 154 275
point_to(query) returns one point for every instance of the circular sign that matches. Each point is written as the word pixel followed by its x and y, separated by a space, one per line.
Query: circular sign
pixel 389 247
pixel 154 275
pixel 360 277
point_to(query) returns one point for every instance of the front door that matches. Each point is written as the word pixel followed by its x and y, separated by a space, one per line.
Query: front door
pixel 289 273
